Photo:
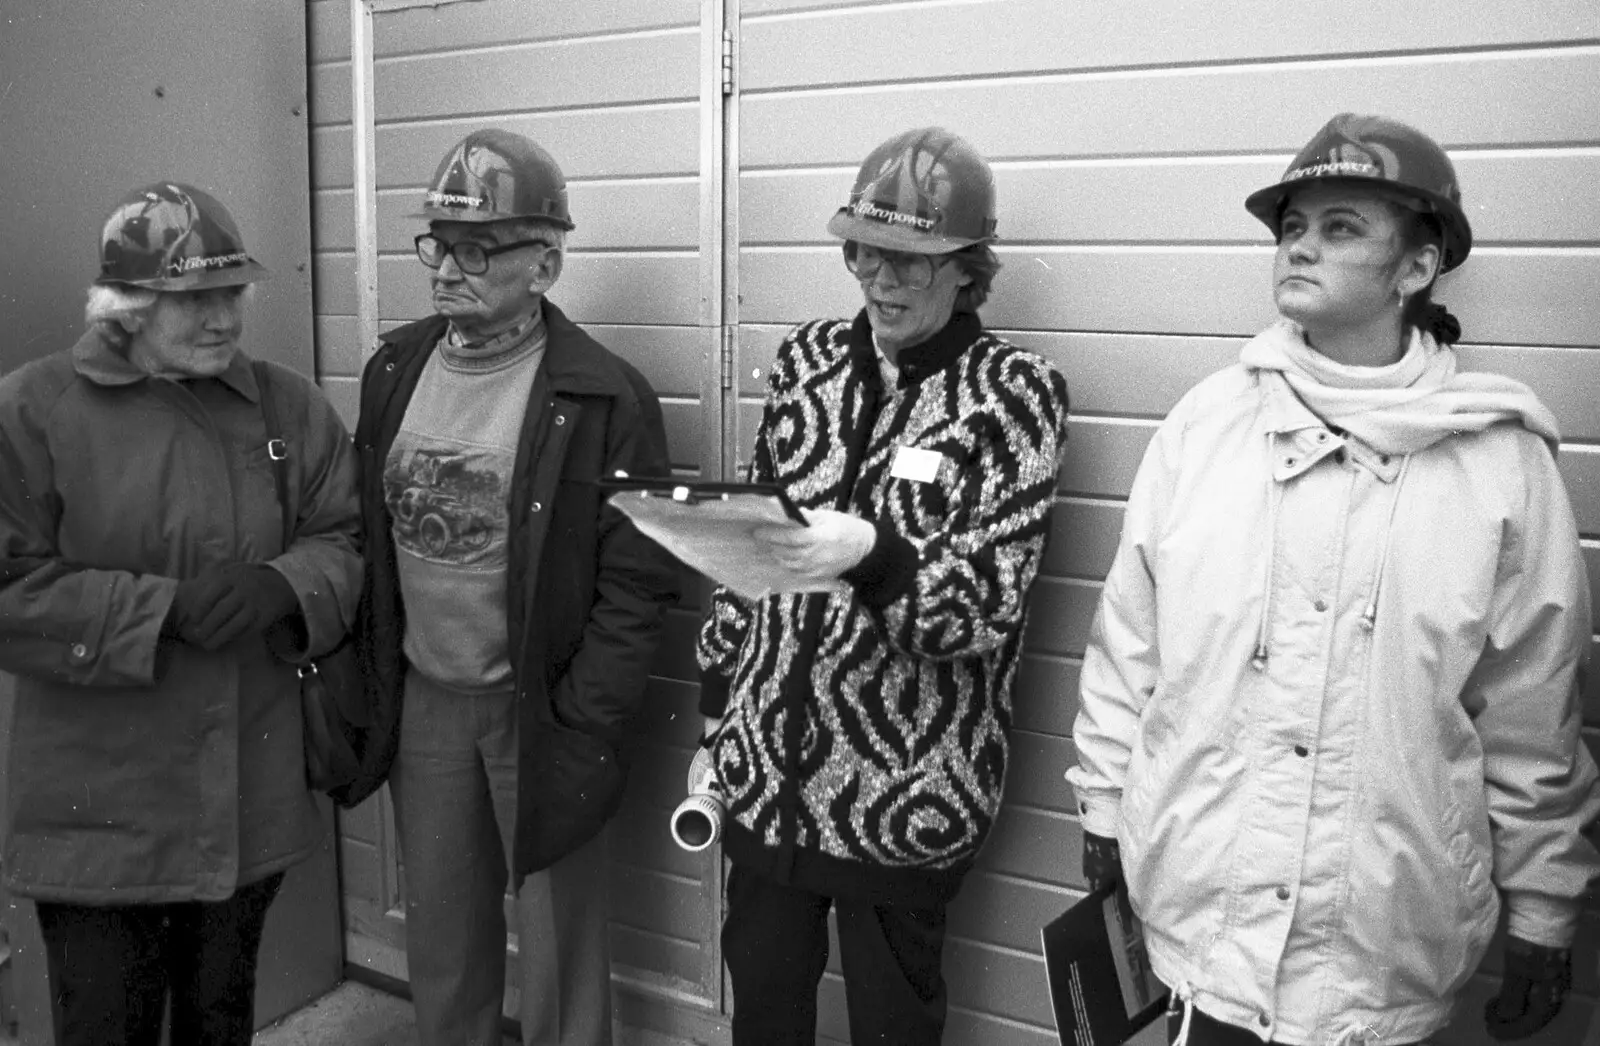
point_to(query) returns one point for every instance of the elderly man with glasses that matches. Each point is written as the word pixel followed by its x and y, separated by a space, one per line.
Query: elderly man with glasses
pixel 509 617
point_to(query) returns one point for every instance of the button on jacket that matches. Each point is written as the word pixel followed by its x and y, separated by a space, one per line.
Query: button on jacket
pixel 134 778
pixel 1346 716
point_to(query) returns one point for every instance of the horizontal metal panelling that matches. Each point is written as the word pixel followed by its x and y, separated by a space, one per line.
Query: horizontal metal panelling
pixel 1534 296
pixel 345 395
pixel 1539 98
pixel 597 143
pixel 496 25
pixel 1034 777
pixel 338 346
pixel 327 31
pixel 1523 196
pixel 1033 36
pixel 652 901
pixel 1044 698
pixel 1006 911
pixel 1034 843
pixel 672 359
pixel 539 76
pixel 654 953
pixel 332 165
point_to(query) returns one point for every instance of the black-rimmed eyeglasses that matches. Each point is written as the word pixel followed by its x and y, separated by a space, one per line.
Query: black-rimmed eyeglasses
pixel 471 257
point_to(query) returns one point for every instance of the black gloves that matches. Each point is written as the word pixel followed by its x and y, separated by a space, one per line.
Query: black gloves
pixel 228 603
pixel 1102 860
pixel 1535 985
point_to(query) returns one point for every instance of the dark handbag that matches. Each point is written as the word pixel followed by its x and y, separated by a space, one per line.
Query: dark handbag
pixel 333 699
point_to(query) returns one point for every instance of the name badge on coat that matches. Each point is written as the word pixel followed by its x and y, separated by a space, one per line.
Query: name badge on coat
pixel 916 464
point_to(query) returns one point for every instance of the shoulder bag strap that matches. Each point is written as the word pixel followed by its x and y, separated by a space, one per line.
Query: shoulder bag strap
pixel 277 449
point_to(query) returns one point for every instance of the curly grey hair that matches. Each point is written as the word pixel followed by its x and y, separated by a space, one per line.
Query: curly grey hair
pixel 118 310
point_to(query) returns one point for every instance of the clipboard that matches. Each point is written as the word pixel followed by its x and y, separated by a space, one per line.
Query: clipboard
pixel 711 526
pixel 699 491
pixel 1102 989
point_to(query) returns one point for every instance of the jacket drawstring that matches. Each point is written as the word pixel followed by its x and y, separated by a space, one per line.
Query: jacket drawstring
pixel 1183 996
pixel 1369 613
pixel 1357 1035
pixel 1258 660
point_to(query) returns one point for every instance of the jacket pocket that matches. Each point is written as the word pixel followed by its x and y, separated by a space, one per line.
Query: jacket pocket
pixel 576 787
pixel 1423 908
pixel 1480 905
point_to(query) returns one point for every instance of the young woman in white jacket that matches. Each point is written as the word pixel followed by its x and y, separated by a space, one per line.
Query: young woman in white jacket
pixel 1329 703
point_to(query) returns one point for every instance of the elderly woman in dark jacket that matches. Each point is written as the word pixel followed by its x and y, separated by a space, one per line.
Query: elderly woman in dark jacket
pixel 153 610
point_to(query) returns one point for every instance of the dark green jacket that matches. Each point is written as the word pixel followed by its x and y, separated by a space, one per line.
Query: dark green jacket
pixel 133 778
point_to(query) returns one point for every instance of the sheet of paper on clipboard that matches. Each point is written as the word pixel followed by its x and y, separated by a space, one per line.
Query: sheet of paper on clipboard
pixel 710 526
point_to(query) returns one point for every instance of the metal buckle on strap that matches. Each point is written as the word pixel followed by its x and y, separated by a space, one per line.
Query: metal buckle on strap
pixel 277 450
pixel 307 669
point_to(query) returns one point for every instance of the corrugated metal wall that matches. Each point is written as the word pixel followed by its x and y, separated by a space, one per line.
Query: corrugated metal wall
pixel 1124 138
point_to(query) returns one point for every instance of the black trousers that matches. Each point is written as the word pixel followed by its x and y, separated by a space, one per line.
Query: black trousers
pixel 775 942
pixel 112 968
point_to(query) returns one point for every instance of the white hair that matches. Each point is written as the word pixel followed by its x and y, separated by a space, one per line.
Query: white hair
pixel 118 309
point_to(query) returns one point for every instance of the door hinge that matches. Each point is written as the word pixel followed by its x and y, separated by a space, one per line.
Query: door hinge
pixel 727 357
pixel 727 62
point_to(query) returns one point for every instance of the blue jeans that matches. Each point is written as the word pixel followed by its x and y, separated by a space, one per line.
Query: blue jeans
pixel 454 785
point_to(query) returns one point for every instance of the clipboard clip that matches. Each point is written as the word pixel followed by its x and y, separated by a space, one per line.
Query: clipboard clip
pixel 699 491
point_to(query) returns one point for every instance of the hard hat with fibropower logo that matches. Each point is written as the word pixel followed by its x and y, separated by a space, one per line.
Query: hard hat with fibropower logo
pixel 492 175
pixel 926 191
pixel 173 237
pixel 1377 151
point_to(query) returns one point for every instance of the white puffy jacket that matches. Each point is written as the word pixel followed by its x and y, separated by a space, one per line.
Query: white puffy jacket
pixel 1314 837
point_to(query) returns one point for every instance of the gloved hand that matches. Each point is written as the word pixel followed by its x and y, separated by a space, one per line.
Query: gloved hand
pixel 227 603
pixel 1102 860
pixel 1536 982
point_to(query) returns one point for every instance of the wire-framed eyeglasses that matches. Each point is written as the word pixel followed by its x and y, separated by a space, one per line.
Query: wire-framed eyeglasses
pixel 914 271
pixel 471 257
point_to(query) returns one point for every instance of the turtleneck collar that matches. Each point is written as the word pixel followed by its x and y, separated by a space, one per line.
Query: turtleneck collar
pixel 917 362
pixel 495 352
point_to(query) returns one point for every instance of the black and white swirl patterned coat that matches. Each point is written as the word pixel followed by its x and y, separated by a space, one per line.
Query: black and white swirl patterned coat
pixel 866 732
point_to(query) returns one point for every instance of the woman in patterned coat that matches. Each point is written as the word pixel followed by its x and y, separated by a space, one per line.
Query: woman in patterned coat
pixel 859 733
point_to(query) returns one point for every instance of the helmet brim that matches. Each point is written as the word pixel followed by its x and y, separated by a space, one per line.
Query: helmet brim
pixel 1267 203
pixel 480 218
pixel 847 226
pixel 251 271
